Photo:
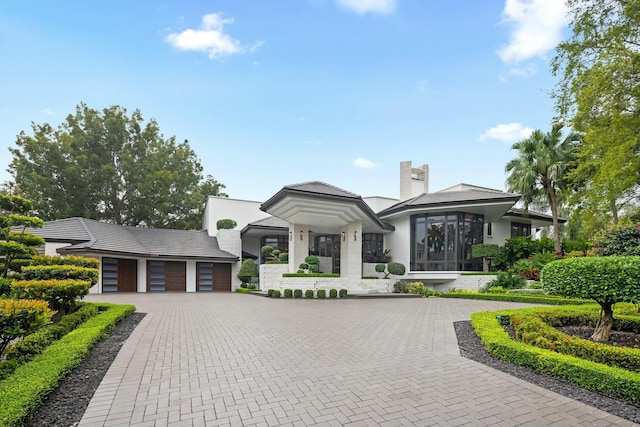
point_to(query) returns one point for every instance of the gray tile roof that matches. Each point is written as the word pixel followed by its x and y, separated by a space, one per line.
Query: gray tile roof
pixel 323 188
pixel 529 213
pixel 475 196
pixel 270 221
pixel 91 235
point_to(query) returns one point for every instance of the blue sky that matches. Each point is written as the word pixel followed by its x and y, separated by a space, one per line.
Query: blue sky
pixel 277 92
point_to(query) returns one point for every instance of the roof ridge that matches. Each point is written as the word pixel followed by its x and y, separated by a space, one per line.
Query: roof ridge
pixel 292 186
pixel 93 237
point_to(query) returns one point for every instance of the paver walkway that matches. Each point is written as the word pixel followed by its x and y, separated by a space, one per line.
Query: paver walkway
pixel 227 359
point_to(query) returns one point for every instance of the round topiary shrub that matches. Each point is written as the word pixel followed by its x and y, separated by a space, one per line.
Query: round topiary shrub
pixel 270 293
pixel 322 294
pixel 308 293
pixel 333 293
pixel 396 268
pixel 226 224
pixel 288 293
pixel 276 293
pixel 297 293
pixel 343 293
pixel 284 257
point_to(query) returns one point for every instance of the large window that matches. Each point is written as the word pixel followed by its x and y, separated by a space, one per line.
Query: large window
pixel 519 230
pixel 327 245
pixel 372 247
pixel 443 242
pixel 280 243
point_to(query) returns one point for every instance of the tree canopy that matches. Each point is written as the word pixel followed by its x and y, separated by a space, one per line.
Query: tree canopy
pixel 539 172
pixel 110 166
pixel 599 95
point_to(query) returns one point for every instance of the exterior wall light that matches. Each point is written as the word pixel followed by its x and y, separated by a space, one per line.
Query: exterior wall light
pixel 301 235
pixel 344 236
pixel 355 236
pixel 290 236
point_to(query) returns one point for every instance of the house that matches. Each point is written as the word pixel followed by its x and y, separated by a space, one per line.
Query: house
pixel 431 233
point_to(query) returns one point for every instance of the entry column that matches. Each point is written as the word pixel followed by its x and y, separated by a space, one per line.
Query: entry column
pixel 298 245
pixel 351 251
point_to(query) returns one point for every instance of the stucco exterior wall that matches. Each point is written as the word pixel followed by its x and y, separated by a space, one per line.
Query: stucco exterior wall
pixel 241 211
pixel 50 248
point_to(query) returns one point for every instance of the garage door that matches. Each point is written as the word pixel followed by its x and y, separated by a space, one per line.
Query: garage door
pixel 119 275
pixel 213 277
pixel 166 276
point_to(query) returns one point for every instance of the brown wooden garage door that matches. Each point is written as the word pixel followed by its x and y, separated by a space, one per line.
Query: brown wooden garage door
pixel 119 275
pixel 166 276
pixel 213 277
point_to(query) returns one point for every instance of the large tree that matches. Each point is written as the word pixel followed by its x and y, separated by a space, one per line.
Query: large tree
pixel 599 94
pixel 109 166
pixel 539 172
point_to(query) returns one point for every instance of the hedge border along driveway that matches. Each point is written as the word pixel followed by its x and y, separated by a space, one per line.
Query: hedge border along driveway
pixel 529 299
pixel 613 382
pixel 23 392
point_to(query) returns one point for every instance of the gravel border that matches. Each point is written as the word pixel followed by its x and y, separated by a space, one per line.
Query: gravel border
pixel 66 405
pixel 471 348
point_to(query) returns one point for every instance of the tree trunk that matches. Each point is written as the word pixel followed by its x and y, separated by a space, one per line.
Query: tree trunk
pixel 614 210
pixel 603 328
pixel 553 204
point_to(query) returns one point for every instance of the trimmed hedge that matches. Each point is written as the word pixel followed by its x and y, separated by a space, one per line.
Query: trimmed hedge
pixel 59 272
pixel 297 293
pixel 60 294
pixel 246 290
pixel 342 293
pixel 321 293
pixel 31 345
pixel 614 382
pixel 21 317
pixel 532 299
pixel 79 261
pixel 288 293
pixel 534 327
pixel 23 392
pixel 325 275
pixel 308 293
pixel 333 293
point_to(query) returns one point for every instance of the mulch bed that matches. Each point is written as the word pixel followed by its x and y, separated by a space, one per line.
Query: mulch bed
pixel 471 348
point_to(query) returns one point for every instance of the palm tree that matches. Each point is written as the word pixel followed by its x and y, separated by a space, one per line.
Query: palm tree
pixel 540 172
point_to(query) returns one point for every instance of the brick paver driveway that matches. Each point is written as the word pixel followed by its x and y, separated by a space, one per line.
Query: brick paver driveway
pixel 240 360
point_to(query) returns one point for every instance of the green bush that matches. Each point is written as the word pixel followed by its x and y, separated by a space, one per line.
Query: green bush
pixel 60 272
pixel 415 288
pixel 303 266
pixel 312 259
pixel 23 392
pixel 497 290
pixel 226 224
pixel 394 268
pixel 531 299
pixel 270 292
pixel 79 261
pixel 251 286
pixel 342 293
pixel 243 285
pixel 622 240
pixel 517 248
pixel 614 382
pixel 297 293
pixel 370 277
pixel 527 291
pixel 400 287
pixel 333 293
pixel 308 293
pixel 381 268
pixel 506 280
pixel 61 295
pixel 543 258
pixel 248 270
pixel 283 257
pixel 288 293
pixel 325 275
pixel 321 293
pixel 242 290
pixel 5 286
pixel 485 250
pixel 276 293
pixel 21 317
pixel 431 293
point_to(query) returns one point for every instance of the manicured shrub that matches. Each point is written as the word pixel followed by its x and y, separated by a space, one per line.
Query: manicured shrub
pixel 226 224
pixel 251 286
pixel 308 293
pixel 532 299
pixel 517 248
pixel 270 292
pixel 497 290
pixel 61 295
pixel 21 317
pixel 342 293
pixel 333 293
pixel 321 293
pixel 301 273
pixel 431 293
pixel 485 250
pixel 248 270
pixel 243 285
pixel 607 280
pixel 313 263
pixel 288 293
pixel 394 268
pixel 283 257
pixel 303 266
pixel 400 287
pixel 370 277
pixel 276 293
pixel 60 272
pixel 297 293
pixel 415 288
pixel 80 261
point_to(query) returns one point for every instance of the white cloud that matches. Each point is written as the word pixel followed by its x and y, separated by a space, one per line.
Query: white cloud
pixel 368 6
pixel 363 163
pixel 210 38
pixel 509 132
pixel 536 28
pixel 47 111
